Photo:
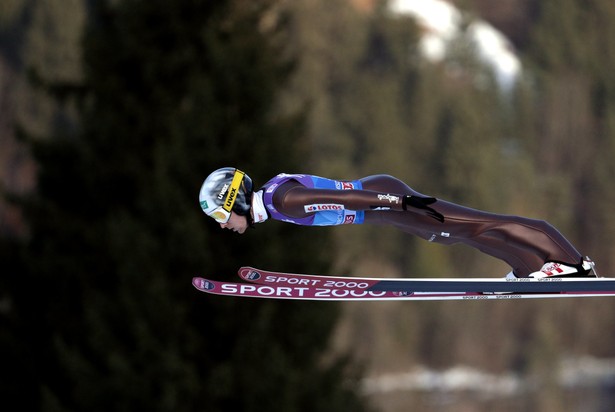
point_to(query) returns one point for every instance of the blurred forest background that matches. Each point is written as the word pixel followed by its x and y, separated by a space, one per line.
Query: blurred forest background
pixel 113 112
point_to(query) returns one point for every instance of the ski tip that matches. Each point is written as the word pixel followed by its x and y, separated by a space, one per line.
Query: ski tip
pixel 248 273
pixel 202 284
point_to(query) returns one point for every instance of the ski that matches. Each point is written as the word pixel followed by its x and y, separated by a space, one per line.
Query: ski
pixel 601 286
pixel 316 293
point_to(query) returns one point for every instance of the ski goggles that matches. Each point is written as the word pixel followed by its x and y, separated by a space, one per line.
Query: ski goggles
pixel 222 213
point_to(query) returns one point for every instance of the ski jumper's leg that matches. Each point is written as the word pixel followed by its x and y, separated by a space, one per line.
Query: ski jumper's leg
pixel 525 244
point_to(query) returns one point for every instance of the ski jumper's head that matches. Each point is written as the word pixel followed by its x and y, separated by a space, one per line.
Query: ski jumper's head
pixel 224 191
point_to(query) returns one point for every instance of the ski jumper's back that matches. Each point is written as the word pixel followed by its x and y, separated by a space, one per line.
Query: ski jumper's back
pixel 319 214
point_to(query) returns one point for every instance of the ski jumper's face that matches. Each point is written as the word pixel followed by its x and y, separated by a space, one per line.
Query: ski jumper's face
pixel 236 223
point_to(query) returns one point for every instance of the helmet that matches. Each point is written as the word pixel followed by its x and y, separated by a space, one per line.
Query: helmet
pixel 225 190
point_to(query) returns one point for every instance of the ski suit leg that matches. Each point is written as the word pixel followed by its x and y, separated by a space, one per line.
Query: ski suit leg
pixel 525 244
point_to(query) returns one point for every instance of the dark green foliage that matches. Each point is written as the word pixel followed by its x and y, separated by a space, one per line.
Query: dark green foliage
pixel 574 60
pixel 104 316
pixel 96 309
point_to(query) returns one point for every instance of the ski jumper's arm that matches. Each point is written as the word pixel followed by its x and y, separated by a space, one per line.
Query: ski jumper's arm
pixel 295 200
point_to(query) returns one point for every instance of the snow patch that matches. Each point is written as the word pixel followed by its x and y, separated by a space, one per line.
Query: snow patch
pixel 442 23
pixel 581 372
pixel 460 378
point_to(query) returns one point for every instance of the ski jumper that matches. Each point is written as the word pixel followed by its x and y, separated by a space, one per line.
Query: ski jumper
pixel 525 244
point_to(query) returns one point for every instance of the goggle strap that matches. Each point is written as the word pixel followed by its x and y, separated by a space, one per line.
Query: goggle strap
pixel 231 195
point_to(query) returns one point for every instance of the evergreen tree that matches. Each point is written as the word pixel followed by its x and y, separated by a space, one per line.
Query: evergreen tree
pixel 574 147
pixel 103 316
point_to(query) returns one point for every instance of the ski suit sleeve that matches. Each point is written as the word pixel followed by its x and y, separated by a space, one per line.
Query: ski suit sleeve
pixel 297 201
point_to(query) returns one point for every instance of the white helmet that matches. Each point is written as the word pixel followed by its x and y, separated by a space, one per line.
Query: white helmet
pixel 225 190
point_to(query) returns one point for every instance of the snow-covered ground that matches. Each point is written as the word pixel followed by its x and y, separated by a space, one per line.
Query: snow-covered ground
pixel 584 372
